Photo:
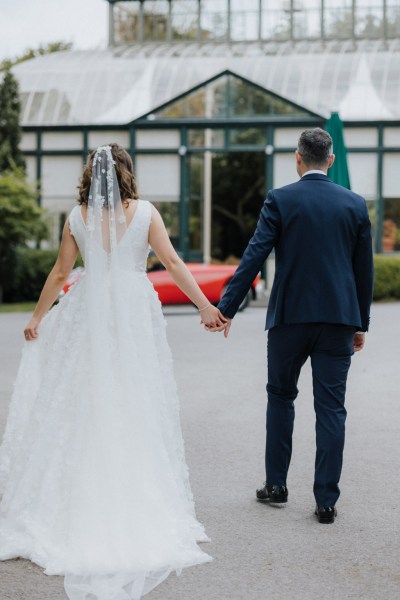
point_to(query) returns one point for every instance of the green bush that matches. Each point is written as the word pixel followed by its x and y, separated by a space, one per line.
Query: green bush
pixel 29 272
pixel 387 277
pixel 31 267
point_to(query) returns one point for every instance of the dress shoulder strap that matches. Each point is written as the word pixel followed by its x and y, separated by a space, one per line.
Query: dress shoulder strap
pixel 145 214
pixel 74 219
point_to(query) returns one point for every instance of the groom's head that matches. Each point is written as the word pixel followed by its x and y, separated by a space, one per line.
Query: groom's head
pixel 314 151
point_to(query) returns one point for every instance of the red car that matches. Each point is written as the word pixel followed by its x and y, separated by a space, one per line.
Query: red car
pixel 212 279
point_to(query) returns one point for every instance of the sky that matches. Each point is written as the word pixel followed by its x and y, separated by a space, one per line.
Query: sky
pixel 30 23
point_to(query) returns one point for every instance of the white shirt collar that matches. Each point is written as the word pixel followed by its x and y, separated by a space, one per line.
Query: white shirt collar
pixel 312 171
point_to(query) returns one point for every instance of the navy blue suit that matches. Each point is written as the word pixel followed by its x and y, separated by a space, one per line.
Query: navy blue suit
pixel 322 293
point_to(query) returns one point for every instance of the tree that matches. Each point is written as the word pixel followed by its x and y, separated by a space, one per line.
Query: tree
pixel 7 63
pixel 21 219
pixel 10 130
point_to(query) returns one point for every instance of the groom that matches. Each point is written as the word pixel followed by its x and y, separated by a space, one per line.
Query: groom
pixel 319 308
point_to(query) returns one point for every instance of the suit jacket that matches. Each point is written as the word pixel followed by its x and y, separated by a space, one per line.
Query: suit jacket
pixel 321 233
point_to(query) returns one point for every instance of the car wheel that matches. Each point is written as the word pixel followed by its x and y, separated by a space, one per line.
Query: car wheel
pixel 246 300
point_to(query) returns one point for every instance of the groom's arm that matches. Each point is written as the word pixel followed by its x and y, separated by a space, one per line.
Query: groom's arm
pixel 258 249
pixel 363 268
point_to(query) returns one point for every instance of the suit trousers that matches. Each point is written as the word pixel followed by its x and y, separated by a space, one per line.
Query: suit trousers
pixel 330 348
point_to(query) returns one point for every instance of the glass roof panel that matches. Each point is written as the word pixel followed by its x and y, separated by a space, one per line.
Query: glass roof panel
pixel 228 96
pixel 118 86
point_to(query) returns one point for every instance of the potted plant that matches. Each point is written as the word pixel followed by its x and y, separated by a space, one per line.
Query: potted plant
pixel 389 235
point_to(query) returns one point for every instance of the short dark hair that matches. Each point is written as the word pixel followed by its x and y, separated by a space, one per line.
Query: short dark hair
pixel 315 147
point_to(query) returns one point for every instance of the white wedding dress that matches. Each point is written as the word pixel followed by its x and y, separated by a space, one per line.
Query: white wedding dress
pixel 92 468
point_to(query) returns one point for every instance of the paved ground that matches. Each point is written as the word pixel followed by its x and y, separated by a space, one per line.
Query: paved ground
pixel 261 551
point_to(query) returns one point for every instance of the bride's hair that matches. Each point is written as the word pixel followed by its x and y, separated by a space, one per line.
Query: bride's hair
pixel 125 175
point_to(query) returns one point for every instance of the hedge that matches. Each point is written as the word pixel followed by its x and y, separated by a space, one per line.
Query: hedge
pixel 387 277
pixel 28 273
pixel 31 267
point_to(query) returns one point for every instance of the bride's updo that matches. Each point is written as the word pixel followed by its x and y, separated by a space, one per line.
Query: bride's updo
pixel 125 175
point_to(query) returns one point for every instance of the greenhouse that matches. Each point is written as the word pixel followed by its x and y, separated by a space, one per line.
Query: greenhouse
pixel 210 98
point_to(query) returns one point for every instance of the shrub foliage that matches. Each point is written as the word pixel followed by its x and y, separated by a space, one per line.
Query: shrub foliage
pixel 21 220
pixel 387 277
pixel 29 274
pixel 31 268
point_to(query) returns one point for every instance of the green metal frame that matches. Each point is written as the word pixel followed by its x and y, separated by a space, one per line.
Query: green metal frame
pixel 269 124
pixel 310 119
pixel 291 9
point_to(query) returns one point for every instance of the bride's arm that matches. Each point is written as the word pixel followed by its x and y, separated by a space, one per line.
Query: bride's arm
pixel 161 244
pixel 54 282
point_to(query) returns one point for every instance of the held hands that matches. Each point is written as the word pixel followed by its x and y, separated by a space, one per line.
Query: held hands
pixel 213 320
pixel 31 330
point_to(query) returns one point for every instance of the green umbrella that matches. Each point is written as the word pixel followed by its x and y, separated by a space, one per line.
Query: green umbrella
pixel 339 172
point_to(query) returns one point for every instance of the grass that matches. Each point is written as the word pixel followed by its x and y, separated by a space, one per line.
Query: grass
pixel 17 307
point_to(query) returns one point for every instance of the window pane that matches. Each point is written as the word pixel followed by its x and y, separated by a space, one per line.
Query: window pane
pixel 338 18
pixel 62 140
pixel 158 177
pixel 228 96
pixel 170 215
pixel 217 138
pixel 393 18
pixel 363 168
pixel 245 137
pixel 60 176
pixel 99 138
pixel 361 137
pixel 157 138
pixel 197 138
pixel 284 169
pixel 196 194
pixel 287 137
pixel 307 19
pixel 391 170
pixel 51 104
pixel 28 141
pixel 36 106
pixel 214 19
pixel 391 137
pixel 338 3
pixel 155 20
pixel 239 5
pixel 275 24
pixel 307 24
pixel 126 22
pixel 369 18
pixel 244 20
pixel 184 15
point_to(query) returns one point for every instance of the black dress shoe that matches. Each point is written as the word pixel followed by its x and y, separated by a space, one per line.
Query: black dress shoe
pixel 277 494
pixel 326 514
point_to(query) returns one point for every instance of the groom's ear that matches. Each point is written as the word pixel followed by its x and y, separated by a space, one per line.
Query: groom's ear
pixel 331 160
pixel 299 163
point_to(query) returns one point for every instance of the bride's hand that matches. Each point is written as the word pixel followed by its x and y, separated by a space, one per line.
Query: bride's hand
pixel 31 330
pixel 212 319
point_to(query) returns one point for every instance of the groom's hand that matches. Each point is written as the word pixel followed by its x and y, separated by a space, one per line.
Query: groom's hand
pixel 359 341
pixel 227 326
pixel 212 319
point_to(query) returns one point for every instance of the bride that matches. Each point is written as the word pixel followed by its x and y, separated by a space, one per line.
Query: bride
pixel 93 476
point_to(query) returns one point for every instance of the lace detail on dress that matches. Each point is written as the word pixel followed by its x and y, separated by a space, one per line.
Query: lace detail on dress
pixel 92 471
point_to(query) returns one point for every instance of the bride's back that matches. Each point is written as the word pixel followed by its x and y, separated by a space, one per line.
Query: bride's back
pixel 133 247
